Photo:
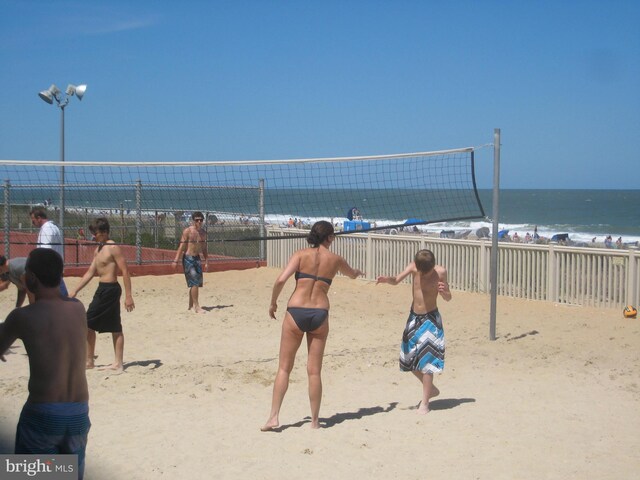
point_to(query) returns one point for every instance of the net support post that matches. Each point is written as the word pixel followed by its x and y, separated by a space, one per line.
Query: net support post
pixel 138 222
pixel 494 235
pixel 262 219
pixel 7 218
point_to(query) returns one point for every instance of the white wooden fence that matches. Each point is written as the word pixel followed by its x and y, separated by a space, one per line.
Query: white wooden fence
pixel 586 276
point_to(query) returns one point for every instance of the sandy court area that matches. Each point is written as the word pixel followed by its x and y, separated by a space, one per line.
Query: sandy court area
pixel 556 396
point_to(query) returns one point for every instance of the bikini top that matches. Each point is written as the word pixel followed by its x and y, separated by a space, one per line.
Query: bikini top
pixel 314 277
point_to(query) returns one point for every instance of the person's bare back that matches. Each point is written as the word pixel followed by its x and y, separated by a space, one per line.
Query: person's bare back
pixel 54 333
pixel 425 289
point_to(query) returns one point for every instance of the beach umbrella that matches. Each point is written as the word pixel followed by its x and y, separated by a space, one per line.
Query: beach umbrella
pixel 483 232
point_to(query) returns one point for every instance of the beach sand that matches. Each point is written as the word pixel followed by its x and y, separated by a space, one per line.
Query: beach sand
pixel 556 396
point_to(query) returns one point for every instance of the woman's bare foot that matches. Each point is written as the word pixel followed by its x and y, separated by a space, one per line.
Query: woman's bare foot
pixel 422 409
pixel 113 369
pixel 89 365
pixel 272 424
pixel 315 424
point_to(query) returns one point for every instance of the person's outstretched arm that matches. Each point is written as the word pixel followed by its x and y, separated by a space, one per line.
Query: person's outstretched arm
pixel 398 278
pixel 349 271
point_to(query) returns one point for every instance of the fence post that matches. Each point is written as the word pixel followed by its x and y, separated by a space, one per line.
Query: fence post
pixel 369 257
pixel 552 283
pixel 482 268
pixel 7 218
pixel 632 278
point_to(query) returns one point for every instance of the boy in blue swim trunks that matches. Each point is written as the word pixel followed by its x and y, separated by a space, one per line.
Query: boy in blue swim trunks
pixel 193 245
pixel 55 418
pixel 422 348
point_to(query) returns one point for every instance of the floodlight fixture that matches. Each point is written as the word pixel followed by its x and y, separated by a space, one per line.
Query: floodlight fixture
pixel 49 95
pixel 78 91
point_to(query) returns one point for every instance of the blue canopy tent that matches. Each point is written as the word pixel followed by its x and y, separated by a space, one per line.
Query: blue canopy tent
pixel 414 221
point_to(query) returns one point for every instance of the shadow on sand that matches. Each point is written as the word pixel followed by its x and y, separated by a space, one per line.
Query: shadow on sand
pixel 447 403
pixel 144 363
pixel 340 417
pixel 217 307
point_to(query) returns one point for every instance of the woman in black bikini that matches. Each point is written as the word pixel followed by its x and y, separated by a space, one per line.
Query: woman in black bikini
pixel 307 312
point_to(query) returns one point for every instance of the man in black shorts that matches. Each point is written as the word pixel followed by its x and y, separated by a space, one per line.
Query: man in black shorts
pixel 103 314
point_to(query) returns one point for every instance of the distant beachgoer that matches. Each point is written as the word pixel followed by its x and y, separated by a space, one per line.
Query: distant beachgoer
pixel 516 237
pixel 535 234
pixel 55 417
pixel 103 314
pixel 593 240
pixel 423 344
pixel 193 244
pixel 307 313
pixel 619 242
pixel 527 238
pixel 608 242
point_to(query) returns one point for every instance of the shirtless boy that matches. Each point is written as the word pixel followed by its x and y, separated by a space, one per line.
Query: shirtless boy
pixel 422 348
pixel 55 418
pixel 194 244
pixel 103 314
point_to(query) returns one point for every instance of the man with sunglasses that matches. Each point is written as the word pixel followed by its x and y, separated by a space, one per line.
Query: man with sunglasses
pixel 193 245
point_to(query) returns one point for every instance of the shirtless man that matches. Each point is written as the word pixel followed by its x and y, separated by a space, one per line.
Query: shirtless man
pixel 193 243
pixel 103 314
pixel 55 418
pixel 422 348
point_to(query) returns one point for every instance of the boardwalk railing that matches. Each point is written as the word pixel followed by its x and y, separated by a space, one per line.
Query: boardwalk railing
pixel 596 277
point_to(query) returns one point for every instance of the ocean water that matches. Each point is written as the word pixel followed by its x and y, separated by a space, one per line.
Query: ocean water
pixel 583 214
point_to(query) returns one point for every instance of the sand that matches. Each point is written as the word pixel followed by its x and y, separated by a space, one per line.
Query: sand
pixel 556 396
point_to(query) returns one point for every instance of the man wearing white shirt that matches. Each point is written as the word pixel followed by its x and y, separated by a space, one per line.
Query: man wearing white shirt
pixel 49 236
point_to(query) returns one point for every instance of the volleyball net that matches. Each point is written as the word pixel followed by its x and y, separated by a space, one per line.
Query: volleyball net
pixel 149 203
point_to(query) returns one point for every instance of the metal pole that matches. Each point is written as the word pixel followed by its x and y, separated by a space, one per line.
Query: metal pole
pixel 262 221
pixel 494 236
pixel 7 218
pixel 62 169
pixel 139 222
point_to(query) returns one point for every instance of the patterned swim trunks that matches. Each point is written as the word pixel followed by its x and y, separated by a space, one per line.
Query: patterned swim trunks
pixel 192 270
pixel 422 347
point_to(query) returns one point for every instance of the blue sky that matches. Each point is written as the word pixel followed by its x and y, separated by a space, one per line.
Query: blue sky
pixel 234 80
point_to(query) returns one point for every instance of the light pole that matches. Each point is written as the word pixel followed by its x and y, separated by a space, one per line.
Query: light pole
pixel 49 95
